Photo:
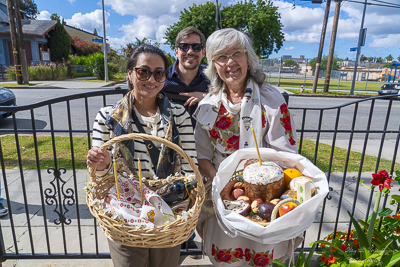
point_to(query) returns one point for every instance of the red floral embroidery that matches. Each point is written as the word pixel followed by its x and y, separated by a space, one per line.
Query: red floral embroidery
pixel 213 250
pixel 224 255
pixel 291 141
pixel 215 134
pixel 247 254
pixel 284 108
pixel 224 122
pixel 261 259
pixel 264 121
pixel 232 143
pixel 238 253
pixel 222 110
pixel 286 123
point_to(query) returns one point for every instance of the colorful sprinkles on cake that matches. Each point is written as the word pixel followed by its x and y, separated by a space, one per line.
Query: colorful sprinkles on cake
pixel 267 173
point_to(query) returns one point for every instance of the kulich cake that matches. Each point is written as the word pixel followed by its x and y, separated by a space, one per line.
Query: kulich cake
pixel 263 181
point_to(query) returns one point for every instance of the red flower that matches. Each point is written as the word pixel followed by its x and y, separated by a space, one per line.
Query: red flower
pixel 355 242
pixel 213 249
pixel 331 260
pixel 247 254
pixel 286 123
pixel 261 259
pixel 232 143
pixel 238 253
pixel 224 122
pixel 291 141
pixel 215 134
pixel 264 121
pixel 224 255
pixel 381 179
pixel 344 247
pixel 284 108
pixel 222 110
pixel 323 258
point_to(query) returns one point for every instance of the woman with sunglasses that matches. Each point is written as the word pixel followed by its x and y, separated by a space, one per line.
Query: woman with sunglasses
pixel 239 99
pixel 143 110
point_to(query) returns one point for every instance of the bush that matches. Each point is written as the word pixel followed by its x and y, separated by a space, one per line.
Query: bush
pixel 42 72
pixel 83 48
pixel 96 65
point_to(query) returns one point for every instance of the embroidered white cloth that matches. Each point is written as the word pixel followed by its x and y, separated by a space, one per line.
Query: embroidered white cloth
pixel 154 211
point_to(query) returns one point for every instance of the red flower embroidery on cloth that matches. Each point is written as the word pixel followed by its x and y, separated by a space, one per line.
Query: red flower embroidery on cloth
pixel 224 255
pixel 291 141
pixel 261 259
pixel 286 123
pixel 238 253
pixel 213 250
pixel 284 109
pixel 224 122
pixel 232 143
pixel 247 254
pixel 222 110
pixel 264 121
pixel 215 134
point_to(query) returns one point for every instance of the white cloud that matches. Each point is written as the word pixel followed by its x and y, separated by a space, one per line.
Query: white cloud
pixel 89 21
pixel 71 1
pixel 44 15
pixel 391 40
pixel 290 48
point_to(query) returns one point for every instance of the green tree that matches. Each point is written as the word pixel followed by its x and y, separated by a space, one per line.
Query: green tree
pixel 363 58
pixel 290 63
pixel 379 60
pixel 324 62
pixel 389 58
pixel 398 58
pixel 129 47
pixel 259 19
pixel 59 43
pixel 54 16
pixel 29 7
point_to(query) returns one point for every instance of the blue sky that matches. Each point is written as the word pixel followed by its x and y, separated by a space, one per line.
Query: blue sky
pixel 302 23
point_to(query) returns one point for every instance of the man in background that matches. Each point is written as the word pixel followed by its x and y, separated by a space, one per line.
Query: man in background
pixel 186 84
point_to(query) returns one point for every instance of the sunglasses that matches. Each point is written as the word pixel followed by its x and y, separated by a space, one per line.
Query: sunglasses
pixel 236 56
pixel 185 47
pixel 145 74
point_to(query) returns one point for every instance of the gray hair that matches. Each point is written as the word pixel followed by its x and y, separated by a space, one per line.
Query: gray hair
pixel 220 41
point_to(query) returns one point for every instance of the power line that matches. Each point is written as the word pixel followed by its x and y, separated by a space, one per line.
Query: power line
pixel 386 2
pixel 371 4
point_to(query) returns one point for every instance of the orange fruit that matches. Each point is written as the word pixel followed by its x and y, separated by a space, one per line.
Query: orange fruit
pixel 285 208
pixel 289 174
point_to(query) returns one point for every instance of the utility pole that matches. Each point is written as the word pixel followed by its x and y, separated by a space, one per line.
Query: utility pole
pixel 360 41
pixel 105 45
pixel 216 15
pixel 20 41
pixel 332 46
pixel 321 46
pixel 14 43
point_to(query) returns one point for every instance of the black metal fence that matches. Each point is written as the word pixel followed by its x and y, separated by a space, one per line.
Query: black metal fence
pixel 48 217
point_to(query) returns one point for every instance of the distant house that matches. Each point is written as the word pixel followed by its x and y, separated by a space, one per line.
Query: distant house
pixel 35 33
pixel 84 35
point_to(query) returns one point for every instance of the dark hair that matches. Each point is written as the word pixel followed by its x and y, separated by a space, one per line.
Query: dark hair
pixel 145 49
pixel 183 34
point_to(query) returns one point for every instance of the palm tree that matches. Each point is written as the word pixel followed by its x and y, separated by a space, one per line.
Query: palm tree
pixel 389 58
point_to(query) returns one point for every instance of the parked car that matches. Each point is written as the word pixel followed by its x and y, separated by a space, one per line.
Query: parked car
pixel 390 89
pixel 7 98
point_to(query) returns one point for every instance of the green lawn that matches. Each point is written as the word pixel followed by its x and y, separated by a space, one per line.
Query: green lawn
pixel 63 148
pixel 344 85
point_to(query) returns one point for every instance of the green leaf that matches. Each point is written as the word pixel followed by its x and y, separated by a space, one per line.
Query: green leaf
pixel 391 259
pixel 384 212
pixel 362 238
pixel 396 198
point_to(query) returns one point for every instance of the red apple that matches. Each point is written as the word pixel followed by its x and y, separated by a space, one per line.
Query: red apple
pixel 255 204
pixel 237 193
pixel 285 208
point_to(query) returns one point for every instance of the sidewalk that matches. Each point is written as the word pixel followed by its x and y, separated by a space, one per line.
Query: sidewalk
pixel 84 227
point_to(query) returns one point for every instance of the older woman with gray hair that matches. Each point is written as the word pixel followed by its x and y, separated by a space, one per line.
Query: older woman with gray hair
pixel 238 99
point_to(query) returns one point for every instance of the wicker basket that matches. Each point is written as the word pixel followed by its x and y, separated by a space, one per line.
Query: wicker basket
pixel 163 236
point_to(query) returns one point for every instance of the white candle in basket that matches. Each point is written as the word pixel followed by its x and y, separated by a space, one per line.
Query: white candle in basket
pixel 140 181
pixel 116 180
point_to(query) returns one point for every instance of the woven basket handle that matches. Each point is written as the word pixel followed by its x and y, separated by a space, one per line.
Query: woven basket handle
pixel 134 136
pixel 274 214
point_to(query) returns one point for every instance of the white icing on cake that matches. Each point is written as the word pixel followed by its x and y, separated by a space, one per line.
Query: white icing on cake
pixel 267 173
